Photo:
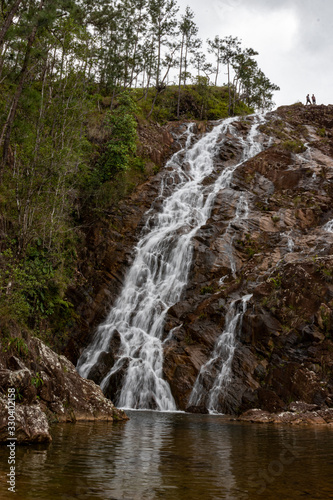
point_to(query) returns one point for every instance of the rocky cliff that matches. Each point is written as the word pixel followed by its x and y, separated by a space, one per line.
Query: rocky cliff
pixel 47 389
pixel 109 240
pixel 278 255
pixel 283 258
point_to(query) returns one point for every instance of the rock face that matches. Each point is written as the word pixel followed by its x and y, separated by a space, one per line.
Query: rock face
pixel 47 389
pixel 314 416
pixel 31 425
pixel 109 241
pixel 281 256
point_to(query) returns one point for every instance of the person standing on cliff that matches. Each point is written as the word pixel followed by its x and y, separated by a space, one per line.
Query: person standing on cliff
pixel 313 99
pixel 308 101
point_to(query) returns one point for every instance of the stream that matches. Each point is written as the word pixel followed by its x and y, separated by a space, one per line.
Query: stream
pixel 175 456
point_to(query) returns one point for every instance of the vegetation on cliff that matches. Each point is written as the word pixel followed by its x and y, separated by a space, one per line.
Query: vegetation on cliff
pixel 76 79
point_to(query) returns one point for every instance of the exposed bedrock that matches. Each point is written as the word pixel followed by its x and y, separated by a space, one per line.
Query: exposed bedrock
pixel 282 255
pixel 268 238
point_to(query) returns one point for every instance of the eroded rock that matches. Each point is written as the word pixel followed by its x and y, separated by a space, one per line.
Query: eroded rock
pixel 281 254
pixel 48 389
pixel 31 424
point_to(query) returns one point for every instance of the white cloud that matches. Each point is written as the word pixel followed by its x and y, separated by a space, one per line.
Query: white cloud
pixel 293 37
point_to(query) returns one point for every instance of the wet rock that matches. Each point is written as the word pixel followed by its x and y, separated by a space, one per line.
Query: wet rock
pixel 63 396
pixel 197 409
pixel 101 368
pixel 311 334
pixel 114 383
pixel 278 250
pixel 275 249
pixel 105 360
pixel 256 415
pixel 269 400
pixel 31 425
pixel 306 417
pixel 301 407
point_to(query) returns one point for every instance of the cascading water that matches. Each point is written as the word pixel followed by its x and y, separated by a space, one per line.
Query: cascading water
pixel 218 368
pixel 329 226
pixel 290 244
pixel 160 269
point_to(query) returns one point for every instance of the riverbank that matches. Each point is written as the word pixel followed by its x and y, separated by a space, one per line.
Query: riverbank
pixel 163 456
pixel 44 388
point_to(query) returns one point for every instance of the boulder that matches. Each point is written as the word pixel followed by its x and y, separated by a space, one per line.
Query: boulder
pixel 48 389
pixel 31 424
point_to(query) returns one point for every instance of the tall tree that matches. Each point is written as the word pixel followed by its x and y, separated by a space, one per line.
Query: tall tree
pixel 230 48
pixel 243 66
pixel 215 47
pixel 188 43
pixel 163 24
pixel 7 15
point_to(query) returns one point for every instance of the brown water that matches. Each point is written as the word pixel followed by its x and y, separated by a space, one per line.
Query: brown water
pixel 175 457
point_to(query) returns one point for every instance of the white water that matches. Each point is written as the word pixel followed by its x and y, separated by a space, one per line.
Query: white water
pixel 242 213
pixel 160 269
pixel 328 226
pixel 221 360
pixel 291 244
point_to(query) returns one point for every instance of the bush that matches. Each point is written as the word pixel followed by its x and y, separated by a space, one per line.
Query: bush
pixel 295 146
pixel 123 136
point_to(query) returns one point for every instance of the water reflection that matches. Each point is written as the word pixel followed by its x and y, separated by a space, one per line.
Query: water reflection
pixel 175 457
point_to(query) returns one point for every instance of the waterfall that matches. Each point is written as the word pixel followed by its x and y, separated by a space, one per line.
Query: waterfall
pixel 160 270
pixel 242 213
pixel 218 369
pixel 328 226
pixel 290 241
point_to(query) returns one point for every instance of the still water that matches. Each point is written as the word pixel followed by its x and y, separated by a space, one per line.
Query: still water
pixel 175 456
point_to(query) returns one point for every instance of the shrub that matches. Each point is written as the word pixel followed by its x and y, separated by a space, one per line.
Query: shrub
pixel 295 146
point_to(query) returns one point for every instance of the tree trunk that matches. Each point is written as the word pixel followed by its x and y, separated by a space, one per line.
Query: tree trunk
pixel 5 28
pixel 7 129
pixel 8 21
pixel 180 76
pixel 229 90
pixel 217 67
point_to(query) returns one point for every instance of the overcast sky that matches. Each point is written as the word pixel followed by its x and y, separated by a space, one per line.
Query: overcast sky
pixel 294 39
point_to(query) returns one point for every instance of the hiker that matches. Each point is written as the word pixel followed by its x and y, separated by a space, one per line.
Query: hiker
pixel 308 101
pixel 313 99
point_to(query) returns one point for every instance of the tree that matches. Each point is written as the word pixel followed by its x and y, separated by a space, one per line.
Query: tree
pixel 8 16
pixel 215 47
pixel 260 91
pixel 188 43
pixel 122 142
pixel 243 66
pixel 163 23
pixel 230 48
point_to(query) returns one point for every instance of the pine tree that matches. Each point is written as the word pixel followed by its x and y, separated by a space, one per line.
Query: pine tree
pixel 163 24
pixel 188 44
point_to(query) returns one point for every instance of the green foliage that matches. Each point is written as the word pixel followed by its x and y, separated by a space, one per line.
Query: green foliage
pixel 206 289
pixel 277 281
pixel 321 132
pixel 69 132
pixel 32 288
pixel 123 136
pixel 251 252
pixel 295 146
pixel 17 344
pixel 199 101
pixel 19 395
pixel 37 381
pixel 248 244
